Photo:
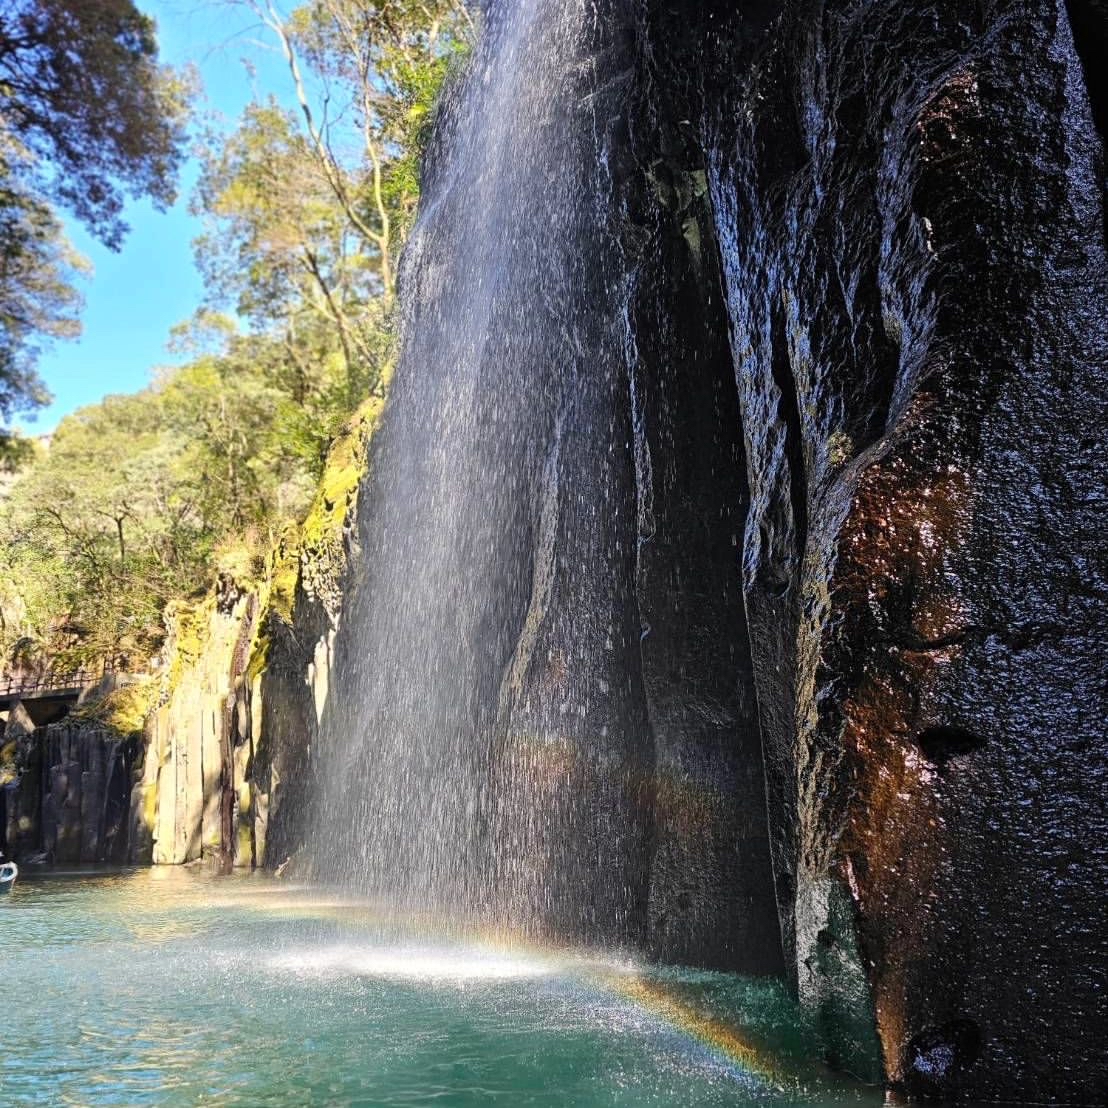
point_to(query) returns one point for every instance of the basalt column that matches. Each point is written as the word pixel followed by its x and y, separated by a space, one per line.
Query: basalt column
pixel 485 745
pixel 543 717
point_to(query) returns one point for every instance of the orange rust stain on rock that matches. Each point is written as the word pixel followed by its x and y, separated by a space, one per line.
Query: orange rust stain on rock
pixel 902 626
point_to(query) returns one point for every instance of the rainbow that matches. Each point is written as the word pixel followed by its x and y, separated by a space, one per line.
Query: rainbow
pixel 751 1060
pixel 723 1039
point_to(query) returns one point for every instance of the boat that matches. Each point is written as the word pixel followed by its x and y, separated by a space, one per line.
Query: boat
pixel 9 871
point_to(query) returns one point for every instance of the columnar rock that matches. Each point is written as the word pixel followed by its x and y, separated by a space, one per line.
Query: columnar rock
pixel 68 803
pixel 189 763
pixel 542 712
pixel 20 782
pixel 835 302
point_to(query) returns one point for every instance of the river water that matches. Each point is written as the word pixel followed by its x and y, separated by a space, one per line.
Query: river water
pixel 171 987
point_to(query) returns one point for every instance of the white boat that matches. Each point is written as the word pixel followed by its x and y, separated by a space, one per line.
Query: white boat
pixel 9 871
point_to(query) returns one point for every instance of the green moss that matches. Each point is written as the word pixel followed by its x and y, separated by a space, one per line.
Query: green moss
pixel 259 656
pixel 189 623
pixel 840 448
pixel 123 710
pixel 342 473
pixel 283 576
pixel 9 762
pixel 126 709
pixel 319 539
pixel 691 230
pixel 150 808
pixel 241 560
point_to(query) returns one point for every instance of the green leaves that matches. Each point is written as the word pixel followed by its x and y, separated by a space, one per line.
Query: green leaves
pixel 138 498
pixel 86 97
pixel 37 299
pixel 86 114
pixel 142 500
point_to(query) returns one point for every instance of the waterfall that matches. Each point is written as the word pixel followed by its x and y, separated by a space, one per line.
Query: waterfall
pixel 745 429
pixel 459 757
pixel 541 717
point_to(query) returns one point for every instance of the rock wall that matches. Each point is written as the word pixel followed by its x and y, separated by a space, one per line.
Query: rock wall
pixel 908 205
pixel 287 700
pixel 79 791
pixel 227 770
pixel 863 266
pixel 221 770
pixel 66 795
pixel 294 683
pixel 711 886
pixel 193 797
pixel 862 256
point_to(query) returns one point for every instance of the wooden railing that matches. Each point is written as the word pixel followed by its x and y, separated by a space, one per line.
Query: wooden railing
pixel 46 683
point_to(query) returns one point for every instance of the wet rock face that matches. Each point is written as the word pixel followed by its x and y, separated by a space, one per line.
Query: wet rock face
pixel 909 209
pixel 711 897
pixel 288 699
pixel 809 509
pixel 544 711
pixel 69 802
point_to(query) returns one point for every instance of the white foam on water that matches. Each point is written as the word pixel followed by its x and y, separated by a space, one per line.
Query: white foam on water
pixel 409 963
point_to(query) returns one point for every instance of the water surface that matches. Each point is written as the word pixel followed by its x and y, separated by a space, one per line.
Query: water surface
pixel 170 987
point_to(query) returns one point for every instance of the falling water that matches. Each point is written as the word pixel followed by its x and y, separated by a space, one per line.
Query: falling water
pixel 542 715
pixel 482 759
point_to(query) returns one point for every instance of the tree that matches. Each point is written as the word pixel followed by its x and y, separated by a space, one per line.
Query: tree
pixel 306 209
pixel 83 93
pixel 37 297
pixel 86 115
pixel 143 501
pixel 95 532
pixel 280 248
pixel 381 64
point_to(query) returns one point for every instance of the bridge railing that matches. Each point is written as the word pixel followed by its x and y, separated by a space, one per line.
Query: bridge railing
pixel 46 683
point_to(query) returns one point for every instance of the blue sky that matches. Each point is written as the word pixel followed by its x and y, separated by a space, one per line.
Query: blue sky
pixel 134 297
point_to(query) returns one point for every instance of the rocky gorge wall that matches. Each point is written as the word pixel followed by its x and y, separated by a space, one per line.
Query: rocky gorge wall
pixel 908 203
pixel 829 446
pixel 65 792
pixel 216 770
pixel 179 790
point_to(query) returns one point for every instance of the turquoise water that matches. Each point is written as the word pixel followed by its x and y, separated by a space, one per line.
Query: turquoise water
pixel 170 987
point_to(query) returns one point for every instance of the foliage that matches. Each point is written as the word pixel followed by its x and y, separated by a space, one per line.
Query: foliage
pixel 143 499
pixel 378 68
pixel 124 709
pixel 226 464
pixel 37 298
pixel 86 114
pixel 282 252
pixel 321 531
pixel 307 208
pixel 95 532
pixel 83 93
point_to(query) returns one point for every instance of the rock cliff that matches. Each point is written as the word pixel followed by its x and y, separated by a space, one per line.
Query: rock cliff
pixel 806 505
pixel 65 794
pixel 908 204
pixel 217 767
pixel 805 569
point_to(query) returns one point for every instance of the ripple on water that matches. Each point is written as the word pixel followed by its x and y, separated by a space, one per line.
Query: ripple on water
pixel 171 988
